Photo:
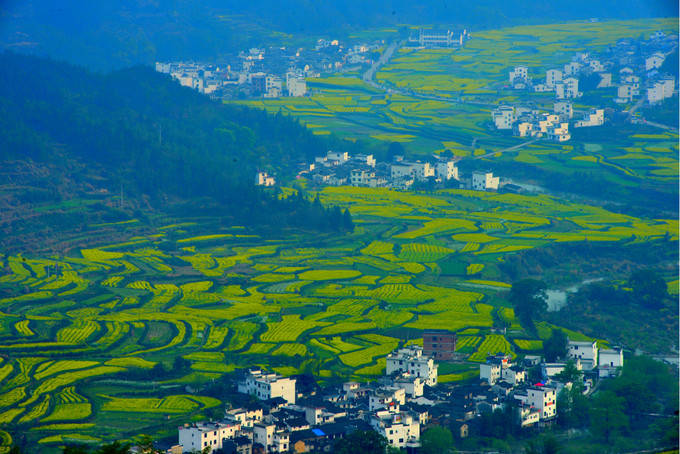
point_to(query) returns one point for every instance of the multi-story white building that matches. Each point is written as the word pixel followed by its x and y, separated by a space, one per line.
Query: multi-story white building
pixel 553 77
pixel 559 132
pixel 596 66
pixel 482 181
pixel 661 90
pixel 503 117
pixel 654 61
pixel 196 437
pixel 626 93
pixel 513 375
pixel 272 438
pixel 567 89
pixel 414 386
pixel 273 87
pixel 446 170
pixel 389 398
pixel 411 360
pixel 246 418
pixel 417 170
pixel 519 76
pixel 524 129
pixel 264 179
pixel 296 86
pixel 584 351
pixel 267 386
pixel 490 372
pixel 572 68
pixel 544 399
pixel 398 428
pixel 595 117
pixel 361 177
pixel 337 157
pixel 365 159
pixel 564 109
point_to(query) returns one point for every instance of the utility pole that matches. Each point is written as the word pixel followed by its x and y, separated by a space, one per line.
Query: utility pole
pixel 121 196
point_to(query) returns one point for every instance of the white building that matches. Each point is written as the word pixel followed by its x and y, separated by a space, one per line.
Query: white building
pixel 661 90
pixel 361 177
pixel 267 386
pixel 246 418
pixel 584 351
pixel 399 428
pixel 446 170
pixel 524 129
pixel 490 372
pixel 365 159
pixel 553 77
pixel 559 132
pixel 654 61
pixel 272 438
pixel 264 179
pixel 503 117
pixel 319 415
pixel 273 86
pixel 626 93
pixel 389 398
pixel 196 437
pixel 296 86
pixel 609 361
pixel 605 80
pixel 338 157
pixel 513 375
pixel 482 181
pixel 417 170
pixel 572 68
pixel 519 76
pixel 596 66
pixel 413 386
pixel 564 109
pixel 595 117
pixel 544 399
pixel 567 89
pixel 411 360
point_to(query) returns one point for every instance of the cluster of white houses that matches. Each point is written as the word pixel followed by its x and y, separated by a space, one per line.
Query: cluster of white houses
pixel 530 122
pixel 538 402
pixel 635 64
pixel 337 169
pixel 388 407
pixel 272 72
pixel 398 406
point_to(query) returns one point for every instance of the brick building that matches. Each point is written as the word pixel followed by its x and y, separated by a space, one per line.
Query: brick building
pixel 439 344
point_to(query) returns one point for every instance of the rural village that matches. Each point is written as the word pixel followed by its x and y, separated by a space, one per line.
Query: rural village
pixel 401 405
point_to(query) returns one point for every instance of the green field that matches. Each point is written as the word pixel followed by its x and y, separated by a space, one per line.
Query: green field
pixel 332 305
pixel 219 304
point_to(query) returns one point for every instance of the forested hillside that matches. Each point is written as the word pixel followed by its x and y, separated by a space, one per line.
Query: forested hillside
pixel 66 131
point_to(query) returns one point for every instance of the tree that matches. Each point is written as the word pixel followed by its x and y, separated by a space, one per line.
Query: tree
pixel 361 442
pixel 555 346
pixel 436 440
pixel 529 299
pixel 570 373
pixel 114 448
pixel 347 223
pixel 75 449
pixel 606 416
pixel 180 364
pixel 649 289
pixel 394 149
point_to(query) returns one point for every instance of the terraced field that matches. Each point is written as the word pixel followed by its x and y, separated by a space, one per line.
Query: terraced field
pixel 333 306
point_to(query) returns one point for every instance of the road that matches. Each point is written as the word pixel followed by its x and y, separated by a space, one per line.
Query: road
pixel 384 58
pixel 513 148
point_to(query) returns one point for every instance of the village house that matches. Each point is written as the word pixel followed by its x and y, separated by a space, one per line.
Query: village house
pixel 411 360
pixel 595 117
pixel 484 181
pixel 267 386
pixel 586 352
pixel 198 436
